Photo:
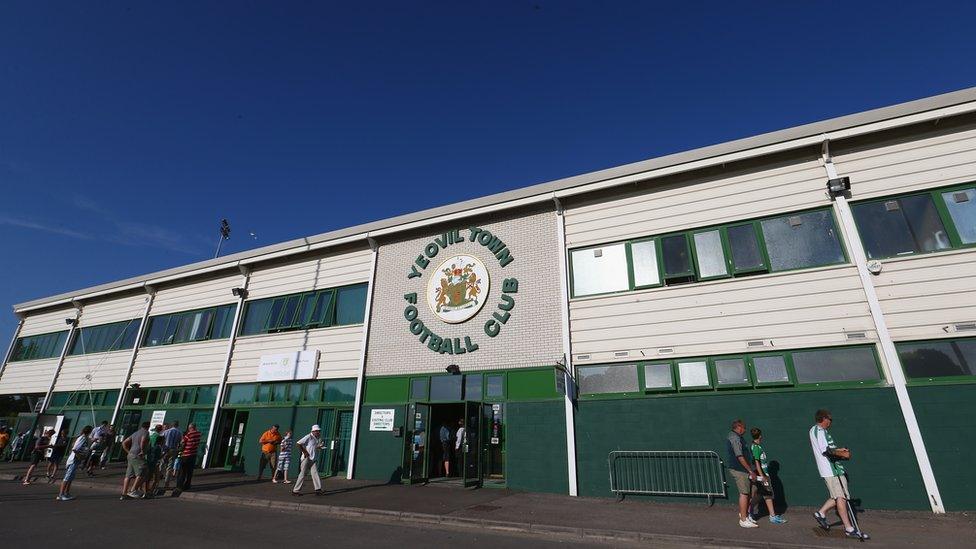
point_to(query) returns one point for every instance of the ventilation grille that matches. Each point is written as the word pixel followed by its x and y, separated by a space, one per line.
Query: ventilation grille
pixel 756 343
pixel 620 354
pixel 582 357
pixel 665 350
pixel 966 327
pixel 856 335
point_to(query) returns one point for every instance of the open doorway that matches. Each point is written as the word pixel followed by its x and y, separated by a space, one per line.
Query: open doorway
pixel 445 462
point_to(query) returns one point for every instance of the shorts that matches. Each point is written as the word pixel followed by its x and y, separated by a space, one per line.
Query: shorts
pixel 762 491
pixel 69 473
pixel 55 458
pixel 447 451
pixel 742 482
pixel 837 487
pixel 35 457
pixel 136 467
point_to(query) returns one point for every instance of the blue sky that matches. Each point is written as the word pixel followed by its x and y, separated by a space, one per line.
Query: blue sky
pixel 128 129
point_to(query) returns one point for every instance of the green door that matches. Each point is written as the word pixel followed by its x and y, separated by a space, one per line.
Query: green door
pixel 235 443
pixel 415 439
pixel 327 418
pixel 340 460
pixel 201 418
pixel 471 444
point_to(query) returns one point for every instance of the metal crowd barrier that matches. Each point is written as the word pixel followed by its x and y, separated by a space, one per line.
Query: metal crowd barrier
pixel 671 473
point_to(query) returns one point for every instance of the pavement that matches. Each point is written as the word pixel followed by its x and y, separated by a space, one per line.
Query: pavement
pixel 544 516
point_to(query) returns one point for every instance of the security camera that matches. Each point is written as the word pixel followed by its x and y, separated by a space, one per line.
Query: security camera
pixel 239 292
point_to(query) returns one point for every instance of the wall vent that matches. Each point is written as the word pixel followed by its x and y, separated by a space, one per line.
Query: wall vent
pixel 665 350
pixel 620 354
pixel 582 357
pixel 856 335
pixel 966 327
pixel 598 252
pixel 756 343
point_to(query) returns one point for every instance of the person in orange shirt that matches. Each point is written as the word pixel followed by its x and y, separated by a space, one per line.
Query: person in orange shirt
pixel 269 449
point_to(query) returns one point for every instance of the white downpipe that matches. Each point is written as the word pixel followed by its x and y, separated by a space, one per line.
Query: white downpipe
pixel 10 348
pixel 361 375
pixel 205 462
pixel 567 352
pixel 897 376
pixel 64 352
pixel 135 351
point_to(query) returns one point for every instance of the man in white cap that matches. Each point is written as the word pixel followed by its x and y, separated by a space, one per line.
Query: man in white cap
pixel 309 446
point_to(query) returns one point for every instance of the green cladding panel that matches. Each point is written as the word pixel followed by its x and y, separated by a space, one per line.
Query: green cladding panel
pixel 945 415
pixel 532 384
pixel 883 471
pixel 260 420
pixel 536 446
pixel 387 389
pixel 379 454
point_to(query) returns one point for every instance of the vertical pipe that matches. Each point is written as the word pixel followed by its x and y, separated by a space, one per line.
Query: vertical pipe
pixel 567 351
pixel 238 314
pixel 10 348
pixel 64 352
pixel 896 374
pixel 361 375
pixel 135 351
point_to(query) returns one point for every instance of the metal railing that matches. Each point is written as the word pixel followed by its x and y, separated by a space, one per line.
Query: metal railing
pixel 667 473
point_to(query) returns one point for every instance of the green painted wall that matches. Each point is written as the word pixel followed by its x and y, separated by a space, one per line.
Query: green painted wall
pixel 536 446
pixel 947 417
pixel 883 472
pixel 379 454
pixel 260 420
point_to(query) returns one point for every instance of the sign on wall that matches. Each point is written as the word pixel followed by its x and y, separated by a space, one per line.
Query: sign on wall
pixel 158 418
pixel 381 419
pixel 289 366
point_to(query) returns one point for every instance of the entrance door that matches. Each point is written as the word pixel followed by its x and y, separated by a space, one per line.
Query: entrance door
pixel 472 444
pixel 415 456
pixel 340 461
pixel 327 423
pixel 129 425
pixel 235 443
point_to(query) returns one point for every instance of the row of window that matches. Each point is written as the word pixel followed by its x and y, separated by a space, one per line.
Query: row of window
pixel 329 391
pixel 39 346
pixel 795 241
pixel 84 399
pixel 858 365
pixel 198 325
pixel 173 396
pixel 453 388
pixel 105 337
pixel 331 307
pixel 935 220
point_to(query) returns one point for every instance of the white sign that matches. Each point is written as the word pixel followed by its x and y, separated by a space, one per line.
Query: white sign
pixel 158 418
pixel 381 419
pixel 458 288
pixel 289 366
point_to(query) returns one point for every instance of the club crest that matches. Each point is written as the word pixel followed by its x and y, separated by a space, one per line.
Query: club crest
pixel 457 288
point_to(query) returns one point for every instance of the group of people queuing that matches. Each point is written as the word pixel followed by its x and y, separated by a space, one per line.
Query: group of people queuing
pixel 277 450
pixel 749 467
pixel 52 449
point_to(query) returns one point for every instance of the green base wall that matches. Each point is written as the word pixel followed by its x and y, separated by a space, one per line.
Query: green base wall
pixel 536 447
pixel 260 420
pixel 883 472
pixel 379 454
pixel 947 418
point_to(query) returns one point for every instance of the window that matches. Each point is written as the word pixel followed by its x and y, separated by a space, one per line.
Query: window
pixel 618 378
pixel 330 307
pixel 710 255
pixel 747 255
pixel 241 394
pixel 731 372
pixel 961 205
pixel 644 259
pixel 39 346
pixel 418 388
pixel 106 337
pixel 677 258
pixel 938 359
pixel 494 386
pixel 658 376
pixel 445 387
pixel 183 327
pixel 835 365
pixel 770 369
pixel 900 226
pixel 206 395
pixel 803 240
pixel 693 374
pixel 599 270
pixel 472 386
pixel 340 390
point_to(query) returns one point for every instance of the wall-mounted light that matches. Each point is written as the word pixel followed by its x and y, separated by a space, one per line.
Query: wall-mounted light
pixel 134 386
pixel 239 292
pixel 838 187
pixel 71 321
pixel 453 369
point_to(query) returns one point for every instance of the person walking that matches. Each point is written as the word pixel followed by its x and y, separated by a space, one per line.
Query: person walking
pixel 78 456
pixel 189 446
pixel 446 448
pixel 828 457
pixel 740 468
pixel 58 449
pixel 37 454
pixel 459 442
pixel 284 459
pixel 99 444
pixel 135 446
pixel 309 445
pixel 18 443
pixel 154 458
pixel 269 442
pixel 171 445
pixel 762 489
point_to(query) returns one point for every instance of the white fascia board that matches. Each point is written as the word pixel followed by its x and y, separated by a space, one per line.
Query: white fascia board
pixel 85 297
pixel 536 199
pixel 197 272
pixel 330 243
pixel 274 255
pixel 50 305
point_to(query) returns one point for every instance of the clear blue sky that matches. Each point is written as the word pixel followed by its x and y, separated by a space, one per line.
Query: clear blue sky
pixel 128 129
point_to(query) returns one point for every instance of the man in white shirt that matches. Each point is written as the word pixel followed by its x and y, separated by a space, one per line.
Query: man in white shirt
pixel 78 455
pixel 828 457
pixel 459 442
pixel 309 445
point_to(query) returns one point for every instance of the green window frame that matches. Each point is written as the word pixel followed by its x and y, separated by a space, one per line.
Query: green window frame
pixel 717 364
pixel 489 381
pixel 419 388
pixel 956 353
pixel 103 338
pixel 702 246
pixel 299 311
pixel 940 198
pixel 38 347
pixel 183 326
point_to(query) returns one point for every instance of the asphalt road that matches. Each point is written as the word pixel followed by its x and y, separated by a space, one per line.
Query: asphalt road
pixel 100 519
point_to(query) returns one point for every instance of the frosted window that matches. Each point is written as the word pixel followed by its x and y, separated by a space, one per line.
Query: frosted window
pixel 644 255
pixel 600 270
pixel 693 374
pixel 710 255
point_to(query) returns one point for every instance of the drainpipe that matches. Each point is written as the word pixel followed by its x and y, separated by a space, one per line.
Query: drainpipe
pixel 567 350
pixel 246 273
pixel 135 351
pixel 361 376
pixel 64 352
pixel 13 341
pixel 895 372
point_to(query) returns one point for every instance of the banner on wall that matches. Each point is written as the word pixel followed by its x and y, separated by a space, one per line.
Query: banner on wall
pixel 289 366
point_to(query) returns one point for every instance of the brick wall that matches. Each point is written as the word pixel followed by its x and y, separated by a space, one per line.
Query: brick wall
pixel 532 335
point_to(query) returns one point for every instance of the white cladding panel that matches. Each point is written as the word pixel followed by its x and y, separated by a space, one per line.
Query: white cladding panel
pixel 47 322
pixel 29 376
pixel 339 346
pixel 195 363
pixel 910 165
pixel 923 296
pixel 654 210
pixel 105 312
pixel 196 295
pixel 311 274
pixel 794 309
pixel 106 369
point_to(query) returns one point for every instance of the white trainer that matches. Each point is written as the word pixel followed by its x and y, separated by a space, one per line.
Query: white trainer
pixel 747 524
